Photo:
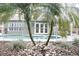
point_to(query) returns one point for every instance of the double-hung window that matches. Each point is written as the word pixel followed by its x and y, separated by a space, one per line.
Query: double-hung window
pixel 41 25
pixel 41 28
pixel 37 28
pixel 46 28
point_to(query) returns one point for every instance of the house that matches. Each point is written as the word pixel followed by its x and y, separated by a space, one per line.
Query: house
pixel 39 29
pixel 16 26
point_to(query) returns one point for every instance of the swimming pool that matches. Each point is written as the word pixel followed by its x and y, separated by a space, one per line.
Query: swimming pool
pixel 27 38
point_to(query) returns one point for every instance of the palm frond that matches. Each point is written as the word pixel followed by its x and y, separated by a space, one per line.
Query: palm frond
pixel 6 11
pixel 64 26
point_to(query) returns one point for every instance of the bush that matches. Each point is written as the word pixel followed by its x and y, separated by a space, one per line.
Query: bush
pixel 76 42
pixel 18 46
pixel 14 45
pixel 64 46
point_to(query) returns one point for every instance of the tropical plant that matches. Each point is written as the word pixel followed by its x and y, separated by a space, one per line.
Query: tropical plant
pixel 25 8
pixel 54 11
pixel 63 23
pixel 64 26
pixel 76 42
pixel 18 45
pixel 74 18
pixel 6 11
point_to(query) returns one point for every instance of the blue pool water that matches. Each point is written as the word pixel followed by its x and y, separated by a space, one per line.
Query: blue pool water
pixel 27 37
pixel 14 37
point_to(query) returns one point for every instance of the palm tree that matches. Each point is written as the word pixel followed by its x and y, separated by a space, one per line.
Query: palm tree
pixel 6 11
pixel 54 10
pixel 64 26
pixel 25 7
pixel 63 23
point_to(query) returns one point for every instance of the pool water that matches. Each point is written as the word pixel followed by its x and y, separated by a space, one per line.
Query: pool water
pixel 22 37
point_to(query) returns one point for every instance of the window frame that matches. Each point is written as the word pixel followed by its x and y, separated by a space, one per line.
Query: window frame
pixel 39 30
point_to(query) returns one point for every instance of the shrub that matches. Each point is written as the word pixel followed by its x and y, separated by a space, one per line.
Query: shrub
pixel 18 46
pixel 15 45
pixel 64 46
pixel 76 42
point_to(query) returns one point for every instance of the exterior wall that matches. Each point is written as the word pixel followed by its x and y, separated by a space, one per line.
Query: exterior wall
pixel 1 28
pixel 39 22
pixel 32 27
pixel 24 29
pixel 18 21
pixel 19 28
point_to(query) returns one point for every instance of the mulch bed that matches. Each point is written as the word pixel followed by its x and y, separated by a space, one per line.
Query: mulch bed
pixel 50 50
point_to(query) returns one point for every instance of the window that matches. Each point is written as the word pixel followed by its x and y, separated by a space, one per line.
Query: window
pixel 5 30
pixel 15 28
pixel 11 28
pixel 19 28
pixel 41 28
pixel 45 28
pixel 37 28
pixel 15 25
pixel 12 25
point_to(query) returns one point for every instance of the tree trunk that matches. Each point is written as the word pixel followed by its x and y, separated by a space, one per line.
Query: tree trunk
pixel 50 33
pixel 29 30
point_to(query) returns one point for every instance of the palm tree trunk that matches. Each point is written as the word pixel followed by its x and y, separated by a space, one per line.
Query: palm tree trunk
pixel 29 30
pixel 50 33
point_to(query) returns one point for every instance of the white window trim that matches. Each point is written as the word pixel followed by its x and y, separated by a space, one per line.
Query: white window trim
pixel 40 28
pixel 17 25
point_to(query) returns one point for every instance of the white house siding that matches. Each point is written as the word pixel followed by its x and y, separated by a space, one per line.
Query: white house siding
pixel 23 26
pixel 18 24
pixel 1 28
pixel 32 27
pixel 19 28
